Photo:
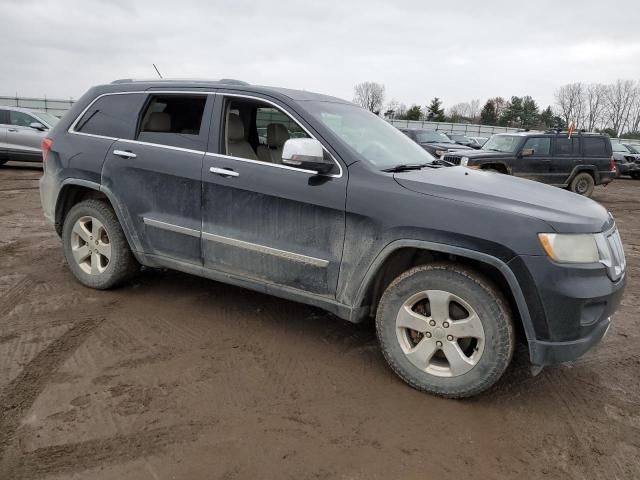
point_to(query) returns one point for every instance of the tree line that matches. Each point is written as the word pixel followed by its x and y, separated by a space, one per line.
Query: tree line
pixel 613 109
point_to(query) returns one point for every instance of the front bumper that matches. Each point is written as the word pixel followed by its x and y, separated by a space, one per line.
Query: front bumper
pixel 570 307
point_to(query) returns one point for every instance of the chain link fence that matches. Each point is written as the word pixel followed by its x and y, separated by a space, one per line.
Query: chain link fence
pixel 54 106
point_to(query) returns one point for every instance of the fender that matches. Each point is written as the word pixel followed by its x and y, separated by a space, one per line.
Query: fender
pixel 121 214
pixel 584 168
pixel 495 262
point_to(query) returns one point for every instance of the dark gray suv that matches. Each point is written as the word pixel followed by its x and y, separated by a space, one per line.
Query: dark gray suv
pixel 314 199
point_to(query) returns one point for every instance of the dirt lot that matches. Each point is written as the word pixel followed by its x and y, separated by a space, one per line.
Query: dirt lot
pixel 179 377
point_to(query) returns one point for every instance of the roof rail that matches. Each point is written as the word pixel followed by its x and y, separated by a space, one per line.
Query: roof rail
pixel 226 81
pixel 575 132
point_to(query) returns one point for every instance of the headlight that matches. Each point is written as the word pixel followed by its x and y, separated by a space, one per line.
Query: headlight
pixel 464 161
pixel 570 248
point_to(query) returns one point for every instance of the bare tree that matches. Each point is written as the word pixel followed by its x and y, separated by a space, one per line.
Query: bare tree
pixel 459 111
pixel 634 119
pixel 369 95
pixel 620 98
pixel 474 109
pixel 596 94
pixel 571 102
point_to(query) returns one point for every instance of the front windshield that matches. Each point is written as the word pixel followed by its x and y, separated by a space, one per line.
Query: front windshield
pixel 48 118
pixel 502 143
pixel 431 136
pixel 618 147
pixel 634 148
pixel 373 139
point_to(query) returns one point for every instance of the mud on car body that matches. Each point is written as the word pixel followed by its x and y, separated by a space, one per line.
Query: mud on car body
pixel 333 207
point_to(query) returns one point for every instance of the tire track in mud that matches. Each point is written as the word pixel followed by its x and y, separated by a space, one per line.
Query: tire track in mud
pixel 15 295
pixel 77 457
pixel 22 391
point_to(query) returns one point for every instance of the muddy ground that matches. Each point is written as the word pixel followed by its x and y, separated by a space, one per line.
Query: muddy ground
pixel 179 377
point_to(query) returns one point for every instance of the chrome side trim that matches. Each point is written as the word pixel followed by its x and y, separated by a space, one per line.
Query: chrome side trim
pixel 266 164
pixel 296 257
pixel 160 145
pixel 171 227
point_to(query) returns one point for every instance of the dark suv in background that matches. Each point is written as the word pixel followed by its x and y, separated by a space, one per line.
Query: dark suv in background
pixel 577 162
pixel 334 207
pixel 434 142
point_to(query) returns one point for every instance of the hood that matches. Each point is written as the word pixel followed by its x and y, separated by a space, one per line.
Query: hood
pixel 564 211
pixel 444 146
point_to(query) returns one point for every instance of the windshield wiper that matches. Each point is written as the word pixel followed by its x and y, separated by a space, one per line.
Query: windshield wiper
pixel 405 167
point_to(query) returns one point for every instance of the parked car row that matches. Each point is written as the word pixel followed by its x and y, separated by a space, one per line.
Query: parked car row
pixel 576 162
pixel 21 132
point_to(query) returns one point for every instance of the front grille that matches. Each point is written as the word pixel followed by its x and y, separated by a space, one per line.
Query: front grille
pixel 455 159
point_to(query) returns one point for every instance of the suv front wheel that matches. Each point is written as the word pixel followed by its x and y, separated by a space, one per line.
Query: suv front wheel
pixel 95 246
pixel 445 329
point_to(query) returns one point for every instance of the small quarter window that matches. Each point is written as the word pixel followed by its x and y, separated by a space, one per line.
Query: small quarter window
pixel 112 116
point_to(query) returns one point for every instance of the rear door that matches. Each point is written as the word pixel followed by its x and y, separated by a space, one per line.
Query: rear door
pixel 566 157
pixel 268 221
pixel 23 142
pixel 156 173
pixel 537 166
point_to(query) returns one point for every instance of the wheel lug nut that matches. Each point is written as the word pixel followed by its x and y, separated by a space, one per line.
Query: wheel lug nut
pixel 428 334
pixel 432 323
pixel 445 324
pixel 450 337
pixel 439 344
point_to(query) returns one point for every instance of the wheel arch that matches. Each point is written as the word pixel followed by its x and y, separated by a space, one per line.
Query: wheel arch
pixel 401 255
pixel 591 169
pixel 75 190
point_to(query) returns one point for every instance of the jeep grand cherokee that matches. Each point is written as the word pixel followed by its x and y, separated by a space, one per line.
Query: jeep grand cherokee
pixel 336 208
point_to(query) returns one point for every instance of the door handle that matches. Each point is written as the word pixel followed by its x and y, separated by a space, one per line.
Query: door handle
pixel 12 130
pixel 124 154
pixel 225 172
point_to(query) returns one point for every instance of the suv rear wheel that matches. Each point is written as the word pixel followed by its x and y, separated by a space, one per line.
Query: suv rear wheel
pixel 445 329
pixel 583 184
pixel 95 246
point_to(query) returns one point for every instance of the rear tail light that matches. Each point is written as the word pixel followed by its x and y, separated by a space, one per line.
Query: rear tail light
pixel 612 164
pixel 45 146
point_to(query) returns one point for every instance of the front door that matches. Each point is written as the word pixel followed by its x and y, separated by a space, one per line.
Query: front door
pixel 157 174
pixel 263 220
pixel 536 166
pixel 23 142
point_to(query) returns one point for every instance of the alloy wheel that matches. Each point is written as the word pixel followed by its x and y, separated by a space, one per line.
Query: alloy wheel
pixel 90 245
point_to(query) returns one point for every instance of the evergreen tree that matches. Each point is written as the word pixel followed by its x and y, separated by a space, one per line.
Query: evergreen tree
pixel 435 112
pixel 489 116
pixel 413 113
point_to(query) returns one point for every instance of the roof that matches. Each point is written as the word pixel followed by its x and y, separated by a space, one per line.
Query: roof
pixel 226 83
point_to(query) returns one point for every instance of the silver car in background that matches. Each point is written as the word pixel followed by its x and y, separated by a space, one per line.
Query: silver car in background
pixel 21 131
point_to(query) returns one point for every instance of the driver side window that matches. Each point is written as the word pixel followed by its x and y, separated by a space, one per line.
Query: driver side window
pixel 20 119
pixel 539 145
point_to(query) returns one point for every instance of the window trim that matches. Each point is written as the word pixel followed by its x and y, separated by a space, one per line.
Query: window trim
pixel 72 130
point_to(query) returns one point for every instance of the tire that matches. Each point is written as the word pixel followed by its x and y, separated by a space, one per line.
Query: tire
pixel 487 358
pixel 635 175
pixel 583 184
pixel 102 262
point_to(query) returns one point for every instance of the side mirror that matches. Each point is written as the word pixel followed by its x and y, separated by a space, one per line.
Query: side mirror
pixel 37 126
pixel 305 153
pixel 527 152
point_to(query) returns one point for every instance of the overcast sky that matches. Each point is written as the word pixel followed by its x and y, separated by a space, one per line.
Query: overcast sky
pixel 457 50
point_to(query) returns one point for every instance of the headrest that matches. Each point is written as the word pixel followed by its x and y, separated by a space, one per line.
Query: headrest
pixel 235 128
pixel 159 122
pixel 277 134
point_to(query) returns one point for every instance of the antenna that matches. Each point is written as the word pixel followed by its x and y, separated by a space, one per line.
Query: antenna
pixel 157 71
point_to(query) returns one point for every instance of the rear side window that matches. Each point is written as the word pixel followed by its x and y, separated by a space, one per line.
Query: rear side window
pixel 4 117
pixel 174 120
pixel 567 146
pixel 112 116
pixel 594 147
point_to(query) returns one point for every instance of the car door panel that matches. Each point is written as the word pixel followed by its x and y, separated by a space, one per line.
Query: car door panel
pixel 272 222
pixel 23 142
pixel 537 166
pixel 160 185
